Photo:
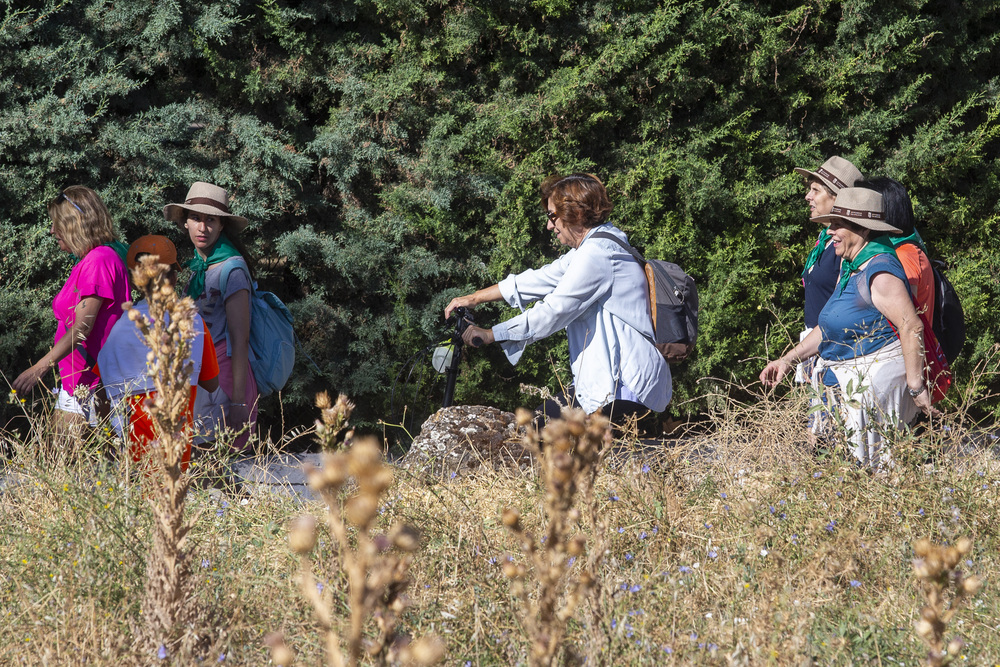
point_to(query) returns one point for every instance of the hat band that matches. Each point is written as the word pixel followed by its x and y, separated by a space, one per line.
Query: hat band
pixel 832 178
pixel 208 202
pixel 856 213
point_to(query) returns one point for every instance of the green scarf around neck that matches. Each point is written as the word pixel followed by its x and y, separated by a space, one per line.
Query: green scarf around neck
pixel 221 251
pixel 817 251
pixel 879 245
pixel 117 246
pixel 913 238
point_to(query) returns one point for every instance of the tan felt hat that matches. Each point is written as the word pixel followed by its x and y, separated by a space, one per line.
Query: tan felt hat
pixel 861 206
pixel 836 173
pixel 208 199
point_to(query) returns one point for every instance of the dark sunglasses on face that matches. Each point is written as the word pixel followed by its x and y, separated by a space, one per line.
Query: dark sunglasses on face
pixel 552 216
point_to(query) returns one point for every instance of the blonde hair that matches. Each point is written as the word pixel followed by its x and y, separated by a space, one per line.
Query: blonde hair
pixel 81 219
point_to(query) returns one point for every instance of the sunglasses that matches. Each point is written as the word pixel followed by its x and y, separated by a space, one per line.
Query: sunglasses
pixel 552 216
pixel 71 202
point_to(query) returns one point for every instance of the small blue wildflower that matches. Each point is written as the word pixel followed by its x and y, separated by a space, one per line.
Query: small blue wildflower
pixel 782 502
pixel 830 526
pixel 668 650
pixel 319 586
pixel 840 479
pixel 855 583
pixel 708 525
pixel 219 512
pixel 694 636
pixel 782 516
pixel 614 497
pixel 643 535
pixel 614 623
pixel 452 476
pixel 634 588
pixel 701 645
pixel 920 511
pixel 713 554
pixel 655 530
pixel 723 495
pixel 468 663
pixel 222 657
pixel 492 560
pixel 968 563
pixel 204 562
pixel 713 647
pixel 772 509
pixel 795 538
pixel 645 468
pixel 840 494
pixel 684 569
pixel 628 556
pixel 817 475
pixel 162 652
pixel 725 507
pixel 572 559
pixel 621 530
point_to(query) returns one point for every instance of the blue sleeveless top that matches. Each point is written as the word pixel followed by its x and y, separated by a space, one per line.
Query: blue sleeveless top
pixel 851 324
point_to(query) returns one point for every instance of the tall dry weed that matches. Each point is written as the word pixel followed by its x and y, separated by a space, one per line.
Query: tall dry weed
pixel 376 564
pixel 564 573
pixel 945 588
pixel 168 332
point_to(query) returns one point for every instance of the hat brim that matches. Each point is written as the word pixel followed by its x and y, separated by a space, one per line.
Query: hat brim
pixel 176 214
pixel 812 174
pixel 874 225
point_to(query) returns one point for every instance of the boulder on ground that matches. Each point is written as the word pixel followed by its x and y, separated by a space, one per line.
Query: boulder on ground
pixel 460 439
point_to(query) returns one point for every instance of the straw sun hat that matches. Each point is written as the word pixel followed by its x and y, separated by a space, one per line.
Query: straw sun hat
pixel 208 199
pixel 860 206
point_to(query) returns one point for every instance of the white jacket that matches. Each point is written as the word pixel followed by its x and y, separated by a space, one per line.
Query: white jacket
pixel 598 293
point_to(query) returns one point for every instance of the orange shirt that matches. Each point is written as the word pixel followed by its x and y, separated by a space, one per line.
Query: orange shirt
pixel 921 278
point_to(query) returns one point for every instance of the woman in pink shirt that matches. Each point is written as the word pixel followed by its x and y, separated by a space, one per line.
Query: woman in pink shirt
pixel 87 306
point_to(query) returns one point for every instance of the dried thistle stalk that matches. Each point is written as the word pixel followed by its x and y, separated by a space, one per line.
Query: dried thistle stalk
pixel 168 333
pixel 570 451
pixel 376 564
pixel 936 570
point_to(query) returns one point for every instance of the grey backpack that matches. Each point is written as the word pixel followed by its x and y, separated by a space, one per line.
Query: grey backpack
pixel 673 303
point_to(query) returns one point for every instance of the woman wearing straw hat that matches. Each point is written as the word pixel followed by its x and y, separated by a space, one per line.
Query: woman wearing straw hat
pixel 87 306
pixel 214 232
pixel 822 267
pixel 868 334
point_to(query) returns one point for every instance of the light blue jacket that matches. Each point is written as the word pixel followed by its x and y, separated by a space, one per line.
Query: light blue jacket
pixel 599 294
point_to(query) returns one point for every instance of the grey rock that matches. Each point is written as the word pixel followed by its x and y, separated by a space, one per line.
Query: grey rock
pixel 462 439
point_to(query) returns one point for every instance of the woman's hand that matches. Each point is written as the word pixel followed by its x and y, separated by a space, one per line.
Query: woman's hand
pixel 467 301
pixel 239 416
pixel 484 295
pixel 923 401
pixel 477 336
pixel 774 372
pixel 26 381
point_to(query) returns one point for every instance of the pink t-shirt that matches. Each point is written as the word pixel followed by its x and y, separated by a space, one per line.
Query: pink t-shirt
pixel 101 273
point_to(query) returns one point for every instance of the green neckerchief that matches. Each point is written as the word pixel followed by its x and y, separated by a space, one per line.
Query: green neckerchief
pixel 814 254
pixel 221 251
pixel 118 247
pixel 879 245
pixel 913 238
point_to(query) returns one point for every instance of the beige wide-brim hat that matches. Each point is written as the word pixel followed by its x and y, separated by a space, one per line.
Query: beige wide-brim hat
pixel 208 199
pixel 836 173
pixel 861 206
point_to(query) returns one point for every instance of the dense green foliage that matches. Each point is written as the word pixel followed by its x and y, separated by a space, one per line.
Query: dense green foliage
pixel 387 153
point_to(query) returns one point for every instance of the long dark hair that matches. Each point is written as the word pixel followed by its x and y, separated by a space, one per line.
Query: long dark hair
pixel 233 237
pixel 895 201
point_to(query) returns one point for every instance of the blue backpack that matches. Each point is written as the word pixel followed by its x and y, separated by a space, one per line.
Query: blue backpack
pixel 272 337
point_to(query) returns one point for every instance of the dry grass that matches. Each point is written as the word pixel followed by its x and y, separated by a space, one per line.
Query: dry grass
pixel 710 557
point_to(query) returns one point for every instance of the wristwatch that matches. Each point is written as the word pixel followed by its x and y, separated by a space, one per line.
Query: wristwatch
pixel 917 392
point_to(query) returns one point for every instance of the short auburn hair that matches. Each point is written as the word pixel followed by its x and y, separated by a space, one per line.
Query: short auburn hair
pixel 82 219
pixel 578 199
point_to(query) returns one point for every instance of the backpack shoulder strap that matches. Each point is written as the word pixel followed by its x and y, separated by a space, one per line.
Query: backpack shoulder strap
pixel 625 246
pixel 231 265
